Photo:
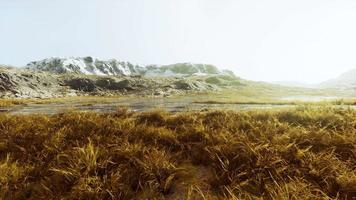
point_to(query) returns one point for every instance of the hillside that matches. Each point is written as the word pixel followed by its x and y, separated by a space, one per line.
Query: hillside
pixel 57 78
pixel 294 84
pixel 345 80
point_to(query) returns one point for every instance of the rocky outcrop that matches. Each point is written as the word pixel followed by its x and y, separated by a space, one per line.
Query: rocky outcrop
pixel 114 84
pixel 81 84
pixel 23 84
pixel 6 83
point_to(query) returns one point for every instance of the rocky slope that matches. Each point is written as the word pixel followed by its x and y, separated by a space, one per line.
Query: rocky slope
pixel 21 83
pixel 50 80
pixel 93 66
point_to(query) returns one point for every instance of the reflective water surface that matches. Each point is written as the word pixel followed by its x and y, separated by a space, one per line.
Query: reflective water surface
pixel 136 104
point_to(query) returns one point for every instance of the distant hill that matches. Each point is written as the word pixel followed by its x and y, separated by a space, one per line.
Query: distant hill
pixel 345 80
pixel 92 66
pixel 294 84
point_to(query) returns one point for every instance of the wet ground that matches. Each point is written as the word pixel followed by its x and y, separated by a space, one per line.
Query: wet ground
pixel 309 98
pixel 136 104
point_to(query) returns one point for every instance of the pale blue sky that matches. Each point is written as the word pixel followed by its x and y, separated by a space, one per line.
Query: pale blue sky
pixel 304 40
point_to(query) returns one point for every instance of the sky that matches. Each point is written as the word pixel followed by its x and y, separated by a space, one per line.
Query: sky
pixel 276 40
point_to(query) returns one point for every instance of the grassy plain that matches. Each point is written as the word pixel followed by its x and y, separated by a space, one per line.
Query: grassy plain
pixel 300 153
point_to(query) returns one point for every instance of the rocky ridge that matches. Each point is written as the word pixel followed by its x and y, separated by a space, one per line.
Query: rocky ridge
pixel 94 66
pixel 58 77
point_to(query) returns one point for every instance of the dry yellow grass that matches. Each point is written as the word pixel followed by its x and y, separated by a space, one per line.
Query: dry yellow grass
pixel 11 102
pixel 85 99
pixel 302 153
pixel 349 101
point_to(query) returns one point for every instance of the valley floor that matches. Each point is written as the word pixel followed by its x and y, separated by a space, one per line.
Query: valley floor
pixel 232 99
pixel 298 153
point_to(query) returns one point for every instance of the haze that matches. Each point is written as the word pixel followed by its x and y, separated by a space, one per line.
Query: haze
pixel 308 40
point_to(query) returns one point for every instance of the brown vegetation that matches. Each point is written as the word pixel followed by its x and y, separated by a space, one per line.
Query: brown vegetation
pixel 287 154
pixel 11 102
pixel 87 100
pixel 349 101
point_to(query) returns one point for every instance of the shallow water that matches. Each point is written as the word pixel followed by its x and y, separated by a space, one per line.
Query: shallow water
pixel 309 98
pixel 136 104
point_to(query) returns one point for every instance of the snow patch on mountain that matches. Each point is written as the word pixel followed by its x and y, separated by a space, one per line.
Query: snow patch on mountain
pixel 86 65
pixel 94 66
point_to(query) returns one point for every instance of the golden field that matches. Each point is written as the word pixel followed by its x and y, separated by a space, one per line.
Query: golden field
pixel 299 153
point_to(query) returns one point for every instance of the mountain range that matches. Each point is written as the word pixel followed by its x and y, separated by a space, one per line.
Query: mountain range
pixel 56 77
pixel 94 66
